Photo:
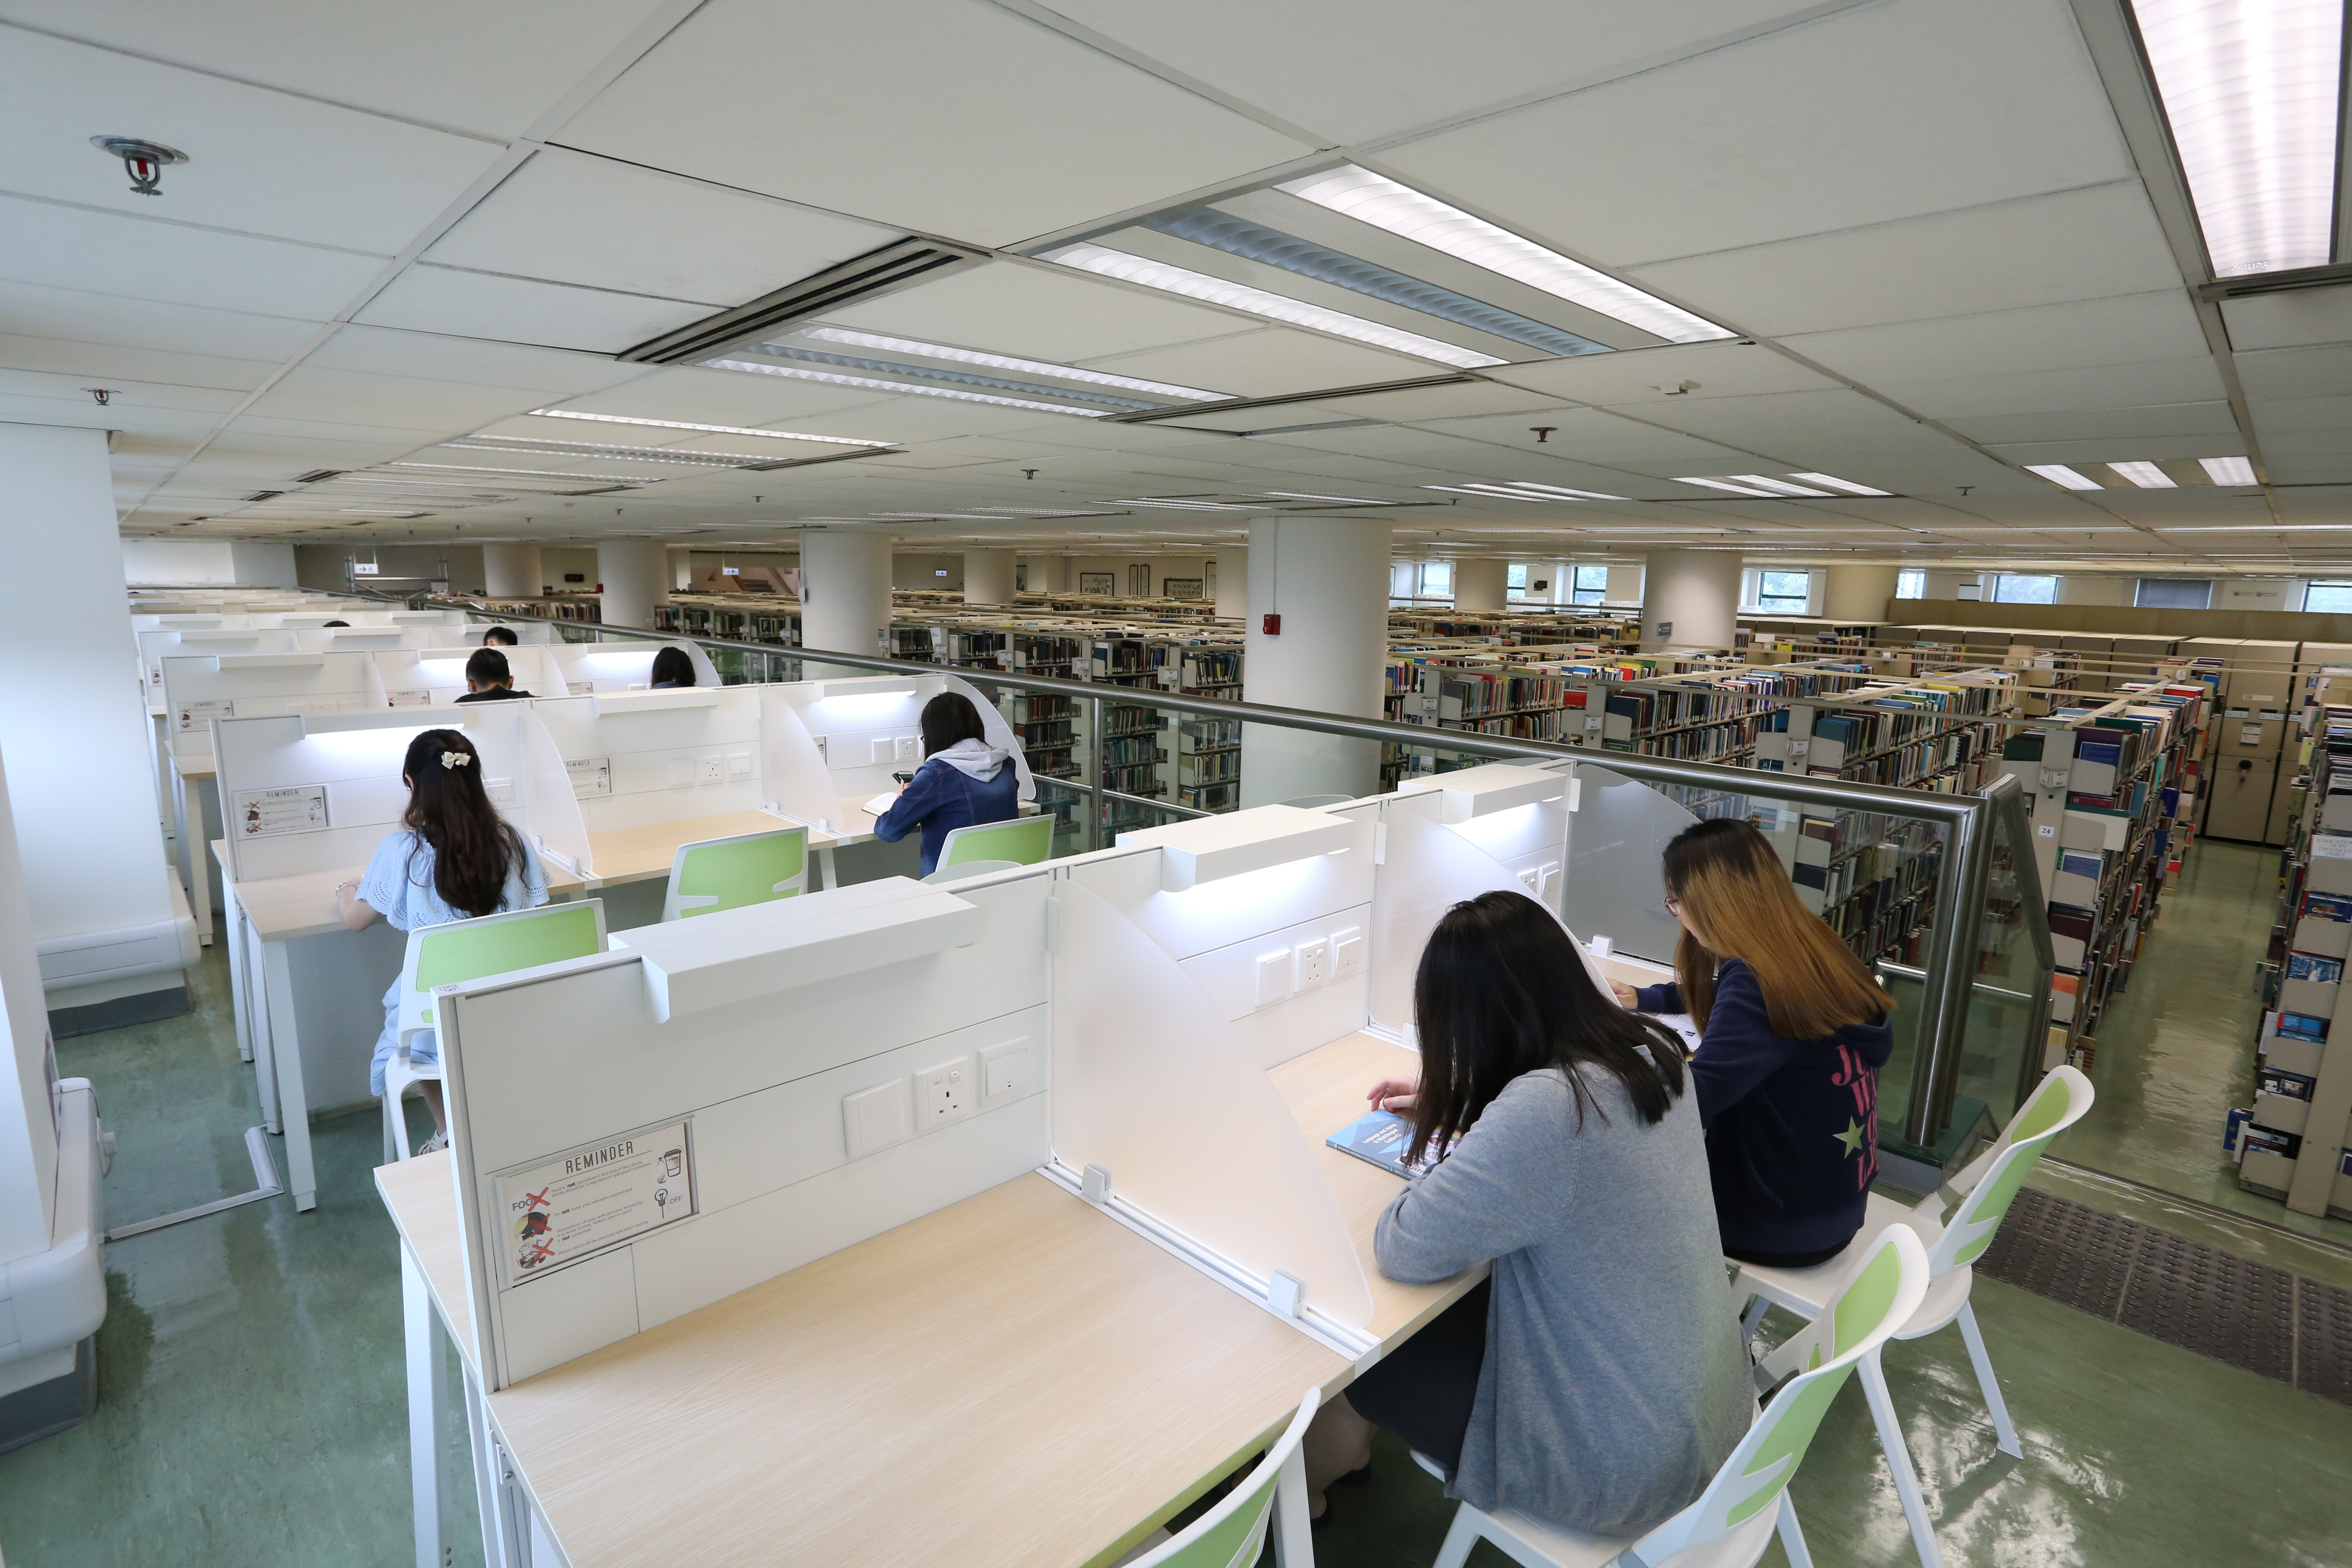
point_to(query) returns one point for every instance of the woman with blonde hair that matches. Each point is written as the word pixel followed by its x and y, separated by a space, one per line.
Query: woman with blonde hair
pixel 1792 1032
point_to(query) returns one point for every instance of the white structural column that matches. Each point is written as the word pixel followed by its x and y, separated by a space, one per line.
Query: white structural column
pixel 512 571
pixel 636 577
pixel 1481 585
pixel 75 734
pixel 1328 580
pixel 1858 592
pixel 1690 598
pixel 1232 581
pixel 1053 573
pixel 988 576
pixel 1559 581
pixel 846 591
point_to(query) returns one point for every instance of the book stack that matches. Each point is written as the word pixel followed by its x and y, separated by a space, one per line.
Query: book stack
pixel 2295 1143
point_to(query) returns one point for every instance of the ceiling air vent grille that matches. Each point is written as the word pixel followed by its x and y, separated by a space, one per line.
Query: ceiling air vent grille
pixel 876 272
pixel 263 494
pixel 315 475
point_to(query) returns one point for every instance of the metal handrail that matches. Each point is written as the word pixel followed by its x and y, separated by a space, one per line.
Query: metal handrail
pixel 1959 890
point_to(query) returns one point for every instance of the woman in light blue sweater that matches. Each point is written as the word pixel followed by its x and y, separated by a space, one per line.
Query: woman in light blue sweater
pixel 1597 1379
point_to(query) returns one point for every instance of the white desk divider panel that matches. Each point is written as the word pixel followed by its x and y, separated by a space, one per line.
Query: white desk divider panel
pixel 367 639
pixel 641 758
pixel 428 675
pixel 798 784
pixel 864 729
pixel 1517 813
pixel 672 1164
pixel 1274 929
pixel 1166 1119
pixel 316 620
pixel 199 689
pixel 161 642
pixel 624 666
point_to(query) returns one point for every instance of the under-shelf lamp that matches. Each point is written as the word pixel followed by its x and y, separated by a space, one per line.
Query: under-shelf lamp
pixel 1484 791
pixel 1211 849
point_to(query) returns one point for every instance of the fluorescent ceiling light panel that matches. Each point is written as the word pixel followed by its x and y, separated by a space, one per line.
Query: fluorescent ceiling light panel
pixel 707 429
pixel 1838 484
pixel 2261 528
pixel 2059 474
pixel 1403 211
pixel 1210 290
pixel 834 378
pixel 1006 361
pixel 2251 89
pixel 1183 505
pixel 605 449
pixel 2146 476
pixel 1340 500
pixel 531 473
pixel 1778 487
pixel 2228 470
pixel 1749 491
pixel 1561 491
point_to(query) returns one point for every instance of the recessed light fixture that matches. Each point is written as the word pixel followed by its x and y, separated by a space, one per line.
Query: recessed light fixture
pixel 2146 476
pixel 1181 505
pixel 2059 474
pixel 707 429
pixel 531 473
pixel 1336 501
pixel 2260 528
pixel 1838 484
pixel 578 449
pixel 1200 286
pixel 1738 489
pixel 1778 487
pixel 2228 470
pixel 1403 211
pixel 834 378
pixel 1522 491
pixel 1006 361
pixel 2251 91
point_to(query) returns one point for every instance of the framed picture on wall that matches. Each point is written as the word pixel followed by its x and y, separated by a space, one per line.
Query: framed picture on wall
pixel 1097 582
pixel 1180 587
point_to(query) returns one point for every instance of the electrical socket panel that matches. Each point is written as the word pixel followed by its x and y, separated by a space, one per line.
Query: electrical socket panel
pixel 1346 952
pixel 1004 1071
pixel 711 770
pixel 739 764
pixel 909 749
pixel 1528 879
pixel 1313 960
pixel 874 1119
pixel 883 748
pixel 944 1093
pixel 1547 880
pixel 1273 976
pixel 681 771
pixel 500 791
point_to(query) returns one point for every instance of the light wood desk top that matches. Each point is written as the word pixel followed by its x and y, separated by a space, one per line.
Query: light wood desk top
pixel 192 769
pixel 279 909
pixel 422 1195
pixel 1635 971
pixel 1014 1380
pixel 639 854
pixel 1325 1090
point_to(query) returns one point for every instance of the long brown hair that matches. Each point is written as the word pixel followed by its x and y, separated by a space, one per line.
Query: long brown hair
pixel 1501 992
pixel 1737 901
pixel 474 850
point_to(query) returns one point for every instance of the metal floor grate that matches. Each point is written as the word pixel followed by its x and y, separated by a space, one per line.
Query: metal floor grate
pixel 2266 1319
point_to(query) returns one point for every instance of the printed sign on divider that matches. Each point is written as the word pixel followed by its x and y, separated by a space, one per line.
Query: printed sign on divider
pixel 266 812
pixel 580 1203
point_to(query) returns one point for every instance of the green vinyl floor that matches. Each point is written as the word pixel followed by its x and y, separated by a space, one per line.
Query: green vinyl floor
pixel 252 1407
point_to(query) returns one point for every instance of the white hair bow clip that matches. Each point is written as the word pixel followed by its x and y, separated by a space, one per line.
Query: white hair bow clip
pixel 455 759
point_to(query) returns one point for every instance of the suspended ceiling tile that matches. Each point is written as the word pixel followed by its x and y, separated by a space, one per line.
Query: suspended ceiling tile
pixel 2062 392
pixel 2293 318
pixel 2328 498
pixel 1273 361
pixel 2265 374
pixel 106 364
pixel 1877 112
pixel 572 219
pixel 2163 508
pixel 991 129
pixel 64 247
pixel 1789 423
pixel 1590 435
pixel 2128 426
pixel 75 408
pixel 83 317
pixel 2277 417
pixel 2039 250
pixel 471 362
pixel 902 418
pixel 316 391
pixel 2128 330
pixel 517 310
pixel 699 396
pixel 1710 370
pixel 262 162
pixel 1038 311
pixel 1459 400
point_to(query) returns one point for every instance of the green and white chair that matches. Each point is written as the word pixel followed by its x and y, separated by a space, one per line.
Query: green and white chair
pixel 1233 1533
pixel 716 874
pixel 1979 1198
pixel 1747 1502
pixel 1022 841
pixel 474 950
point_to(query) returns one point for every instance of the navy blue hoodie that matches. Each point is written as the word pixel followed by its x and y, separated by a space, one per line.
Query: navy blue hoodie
pixel 1792 1125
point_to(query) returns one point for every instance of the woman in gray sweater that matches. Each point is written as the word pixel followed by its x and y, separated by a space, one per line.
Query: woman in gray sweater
pixel 1597 1380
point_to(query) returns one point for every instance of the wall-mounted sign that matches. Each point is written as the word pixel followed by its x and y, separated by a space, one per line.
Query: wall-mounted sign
pixel 364 569
pixel 580 1203
pixel 590 777
pixel 200 714
pixel 266 813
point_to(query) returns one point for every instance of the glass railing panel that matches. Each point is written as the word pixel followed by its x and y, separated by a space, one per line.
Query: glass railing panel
pixel 2009 1012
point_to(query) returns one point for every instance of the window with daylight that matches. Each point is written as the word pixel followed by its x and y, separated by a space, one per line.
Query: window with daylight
pixel 1437 579
pixel 2014 588
pixel 2328 598
pixel 2174 593
pixel 1911 584
pixel 1784 593
pixel 1589 585
pixel 1516 576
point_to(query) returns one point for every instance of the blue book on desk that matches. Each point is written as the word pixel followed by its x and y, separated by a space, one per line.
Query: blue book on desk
pixel 1380 1139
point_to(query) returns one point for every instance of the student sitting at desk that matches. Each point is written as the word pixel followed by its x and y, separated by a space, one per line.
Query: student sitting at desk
pixel 1792 1032
pixel 500 637
pixel 1597 1379
pixel 963 780
pixel 454 859
pixel 672 669
pixel 489 677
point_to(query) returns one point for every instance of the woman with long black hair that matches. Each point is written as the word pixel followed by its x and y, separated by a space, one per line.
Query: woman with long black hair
pixel 1597 1379
pixel 452 859
pixel 964 781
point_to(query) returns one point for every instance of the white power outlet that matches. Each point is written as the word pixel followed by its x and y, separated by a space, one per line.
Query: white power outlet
pixel 1346 952
pixel 711 770
pixel 909 749
pixel 944 1093
pixel 1004 1071
pixel 739 764
pixel 1273 976
pixel 1314 963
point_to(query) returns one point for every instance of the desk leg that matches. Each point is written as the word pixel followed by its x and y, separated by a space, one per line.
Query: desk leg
pixel 426 1406
pixel 200 882
pixel 240 1003
pixel 489 1479
pixel 826 880
pixel 286 1056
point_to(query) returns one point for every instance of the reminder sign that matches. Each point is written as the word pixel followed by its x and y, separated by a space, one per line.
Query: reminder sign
pixel 590 777
pixel 564 1209
pixel 266 813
